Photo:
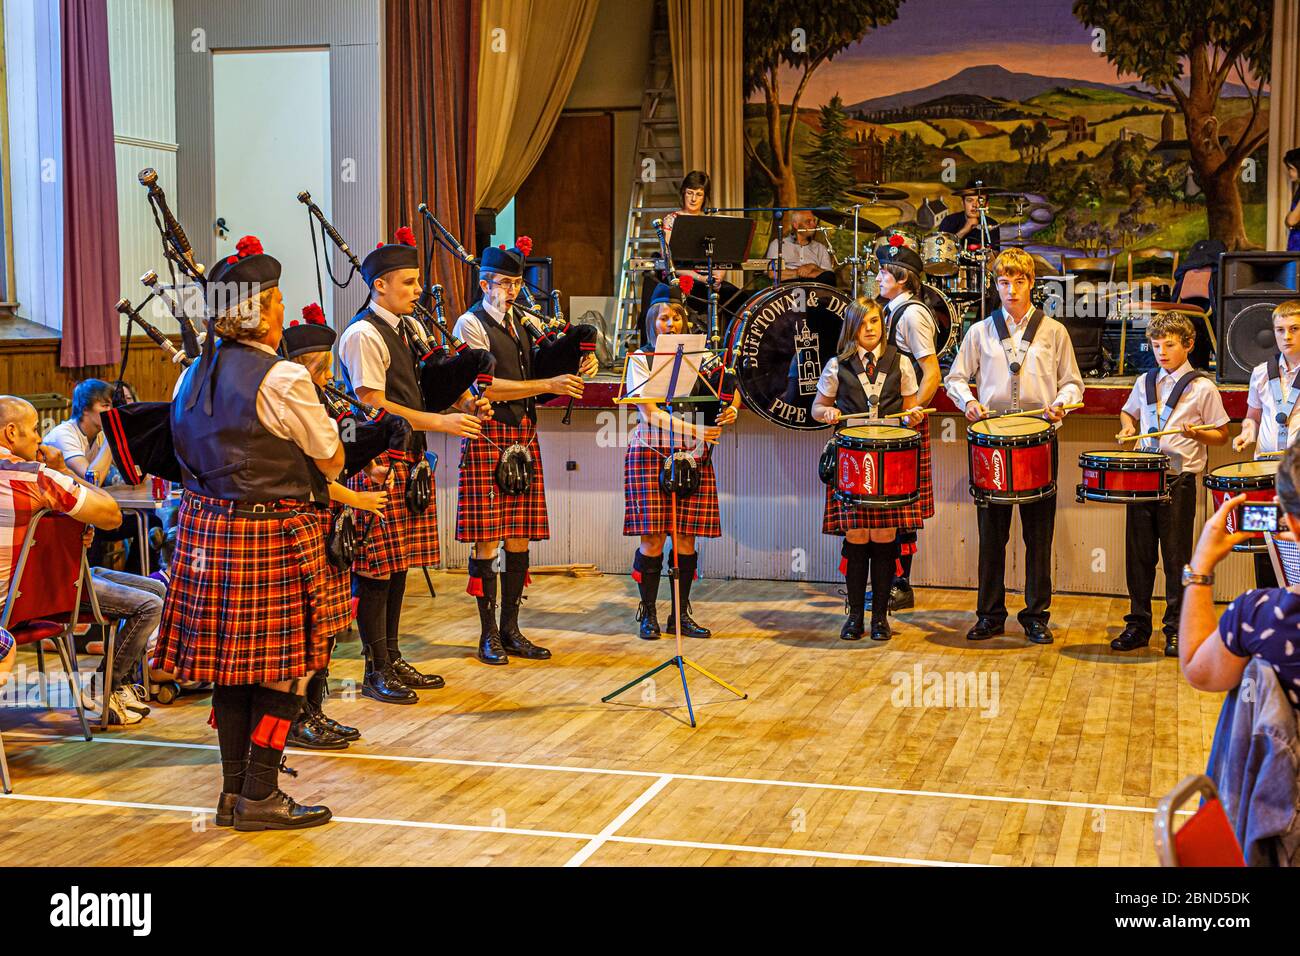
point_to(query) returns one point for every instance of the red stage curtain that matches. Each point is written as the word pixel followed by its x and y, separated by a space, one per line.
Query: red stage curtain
pixel 430 110
pixel 91 333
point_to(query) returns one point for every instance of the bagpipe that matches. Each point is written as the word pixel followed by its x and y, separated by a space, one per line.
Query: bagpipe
pixel 446 366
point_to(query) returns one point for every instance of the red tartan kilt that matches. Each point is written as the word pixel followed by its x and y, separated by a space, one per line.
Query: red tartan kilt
pixel 646 509
pixel 927 472
pixel 483 512
pixel 249 600
pixel 838 518
pixel 402 540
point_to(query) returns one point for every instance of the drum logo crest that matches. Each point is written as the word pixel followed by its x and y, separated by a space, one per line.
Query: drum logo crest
pixel 848 473
pixel 807 359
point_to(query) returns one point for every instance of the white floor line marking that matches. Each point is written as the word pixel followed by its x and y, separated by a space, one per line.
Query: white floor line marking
pixel 617 823
pixel 515 831
pixel 559 768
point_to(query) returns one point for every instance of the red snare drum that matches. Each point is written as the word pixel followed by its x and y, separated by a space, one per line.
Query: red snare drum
pixel 1125 477
pixel 878 466
pixel 1254 479
pixel 1012 460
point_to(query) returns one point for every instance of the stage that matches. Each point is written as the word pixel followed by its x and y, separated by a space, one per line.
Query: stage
pixel 926 750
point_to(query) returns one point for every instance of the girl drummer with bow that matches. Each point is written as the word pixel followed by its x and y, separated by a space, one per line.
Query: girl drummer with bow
pixel 868 376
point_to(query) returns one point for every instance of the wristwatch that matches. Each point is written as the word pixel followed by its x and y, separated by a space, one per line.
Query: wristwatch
pixel 1191 577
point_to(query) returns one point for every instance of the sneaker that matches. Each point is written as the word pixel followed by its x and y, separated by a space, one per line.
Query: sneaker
pixel 136 698
pixel 118 712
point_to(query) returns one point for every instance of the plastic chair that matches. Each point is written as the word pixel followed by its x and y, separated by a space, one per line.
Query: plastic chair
pixel 1196 285
pixel 1206 839
pixel 53 558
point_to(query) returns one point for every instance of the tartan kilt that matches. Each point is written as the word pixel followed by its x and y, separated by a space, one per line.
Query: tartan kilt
pixel 402 540
pixel 483 513
pixel 646 509
pixel 838 518
pixel 249 600
pixel 927 472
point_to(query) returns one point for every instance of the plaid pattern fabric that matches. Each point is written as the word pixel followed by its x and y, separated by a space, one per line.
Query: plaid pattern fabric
pixel 927 472
pixel 402 540
pixel 646 509
pixel 483 513
pixel 249 600
pixel 25 488
pixel 838 518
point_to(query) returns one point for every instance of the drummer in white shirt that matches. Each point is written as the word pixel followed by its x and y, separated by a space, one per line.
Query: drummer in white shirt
pixel 1274 393
pixel 802 255
pixel 1045 374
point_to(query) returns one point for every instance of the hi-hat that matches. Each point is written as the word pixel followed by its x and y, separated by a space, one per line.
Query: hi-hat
pixel 836 217
pixel 875 193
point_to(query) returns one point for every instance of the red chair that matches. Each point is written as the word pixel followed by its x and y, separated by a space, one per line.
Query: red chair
pixel 1206 839
pixel 44 600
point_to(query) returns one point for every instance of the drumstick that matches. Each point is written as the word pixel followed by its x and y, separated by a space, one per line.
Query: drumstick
pixel 904 414
pixel 1033 411
pixel 1167 431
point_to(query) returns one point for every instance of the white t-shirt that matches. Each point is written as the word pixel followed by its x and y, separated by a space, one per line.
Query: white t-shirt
pixel 1200 405
pixel 794 254
pixel 915 330
pixel 68 438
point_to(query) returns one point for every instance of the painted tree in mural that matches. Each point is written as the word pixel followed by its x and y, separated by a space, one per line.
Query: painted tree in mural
pixel 1218 40
pixel 828 165
pixel 802 36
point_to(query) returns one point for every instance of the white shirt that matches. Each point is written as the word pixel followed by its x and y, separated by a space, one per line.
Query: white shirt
pixel 289 408
pixel 796 254
pixel 1049 374
pixel 469 328
pixel 1261 397
pixel 364 353
pixel 915 330
pixel 68 438
pixel 829 383
pixel 1200 405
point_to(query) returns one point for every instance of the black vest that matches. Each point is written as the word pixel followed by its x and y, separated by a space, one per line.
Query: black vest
pixel 514 363
pixel 229 454
pixel 851 397
pixel 402 380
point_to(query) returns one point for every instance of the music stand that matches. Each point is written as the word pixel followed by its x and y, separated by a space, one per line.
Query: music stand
pixel 709 243
pixel 671 379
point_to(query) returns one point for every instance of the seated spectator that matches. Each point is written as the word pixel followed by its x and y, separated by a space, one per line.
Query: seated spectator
pixel 81 437
pixel 1214 651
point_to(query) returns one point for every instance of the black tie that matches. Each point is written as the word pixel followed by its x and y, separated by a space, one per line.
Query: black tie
pixel 871 366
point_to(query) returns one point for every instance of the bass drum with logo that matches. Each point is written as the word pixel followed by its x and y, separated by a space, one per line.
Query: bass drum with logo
pixel 780 344
pixel 947 322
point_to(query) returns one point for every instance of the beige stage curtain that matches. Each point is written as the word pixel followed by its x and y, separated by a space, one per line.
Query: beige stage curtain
pixel 708 74
pixel 529 54
pixel 1283 114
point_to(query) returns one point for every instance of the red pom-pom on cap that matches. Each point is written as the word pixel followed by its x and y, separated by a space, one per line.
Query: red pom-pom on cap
pixel 249 246
pixel 404 236
pixel 313 313
pixel 686 283
pixel 525 245
pixel 231 260
pixel 293 323
pixel 896 240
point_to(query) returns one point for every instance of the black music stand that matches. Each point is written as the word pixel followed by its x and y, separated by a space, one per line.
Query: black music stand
pixel 710 243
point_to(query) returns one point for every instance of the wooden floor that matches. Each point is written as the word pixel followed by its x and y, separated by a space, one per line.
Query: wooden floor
pixel 828 761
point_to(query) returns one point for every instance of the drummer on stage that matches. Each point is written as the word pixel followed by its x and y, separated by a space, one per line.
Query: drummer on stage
pixel 1270 423
pixel 1018 357
pixel 910 327
pixel 802 254
pixel 647 509
pixel 868 374
pixel 964 226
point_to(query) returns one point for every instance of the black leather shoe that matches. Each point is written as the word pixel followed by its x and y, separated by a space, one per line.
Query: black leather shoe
pixel 984 629
pixel 1171 645
pixel 689 627
pixel 901 597
pixel 1130 639
pixel 1038 632
pixel 853 626
pixel 343 730
pixel 880 630
pixel 649 628
pixel 225 816
pixel 277 812
pixel 385 687
pixel 490 650
pixel 309 733
pixel 413 679
pixel 516 645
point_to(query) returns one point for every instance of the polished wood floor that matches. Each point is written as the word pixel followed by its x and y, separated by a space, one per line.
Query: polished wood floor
pixel 830 760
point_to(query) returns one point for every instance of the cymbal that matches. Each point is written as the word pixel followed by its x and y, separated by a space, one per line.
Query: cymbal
pixel 877 193
pixel 978 191
pixel 838 217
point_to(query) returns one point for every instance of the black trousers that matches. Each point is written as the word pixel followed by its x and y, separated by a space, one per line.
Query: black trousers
pixel 1038 524
pixel 1164 531
pixel 1264 575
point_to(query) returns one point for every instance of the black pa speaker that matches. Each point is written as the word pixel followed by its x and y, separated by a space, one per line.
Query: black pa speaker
pixel 1251 285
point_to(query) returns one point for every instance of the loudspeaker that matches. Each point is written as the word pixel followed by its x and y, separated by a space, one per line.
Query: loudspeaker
pixel 1251 285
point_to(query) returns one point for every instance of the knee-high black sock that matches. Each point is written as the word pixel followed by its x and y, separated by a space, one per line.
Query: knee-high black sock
pixel 883 555
pixel 273 711
pixel 647 571
pixel 372 618
pixel 905 566
pixel 512 587
pixel 396 592
pixel 483 585
pixel 857 562
pixel 231 704
pixel 316 688
pixel 686 565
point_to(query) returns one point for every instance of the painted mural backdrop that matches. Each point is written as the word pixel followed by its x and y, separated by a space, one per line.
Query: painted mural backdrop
pixel 1101 128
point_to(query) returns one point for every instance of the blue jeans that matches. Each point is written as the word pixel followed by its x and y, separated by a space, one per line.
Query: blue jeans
pixel 138 601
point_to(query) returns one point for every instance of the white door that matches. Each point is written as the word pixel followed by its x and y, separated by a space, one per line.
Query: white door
pixel 271 127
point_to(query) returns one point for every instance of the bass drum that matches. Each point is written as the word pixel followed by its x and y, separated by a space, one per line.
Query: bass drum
pixel 779 345
pixel 947 322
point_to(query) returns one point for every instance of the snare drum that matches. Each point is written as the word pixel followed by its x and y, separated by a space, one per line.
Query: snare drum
pixel 939 253
pixel 1255 479
pixel 1124 477
pixel 1012 460
pixel 878 466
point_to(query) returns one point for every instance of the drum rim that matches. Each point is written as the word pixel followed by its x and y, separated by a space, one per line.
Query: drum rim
pixel 1087 459
pixel 1238 482
pixel 1043 437
pixel 1082 493
pixel 1014 497
pixel 878 501
pixel 902 428
pixel 1234 464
